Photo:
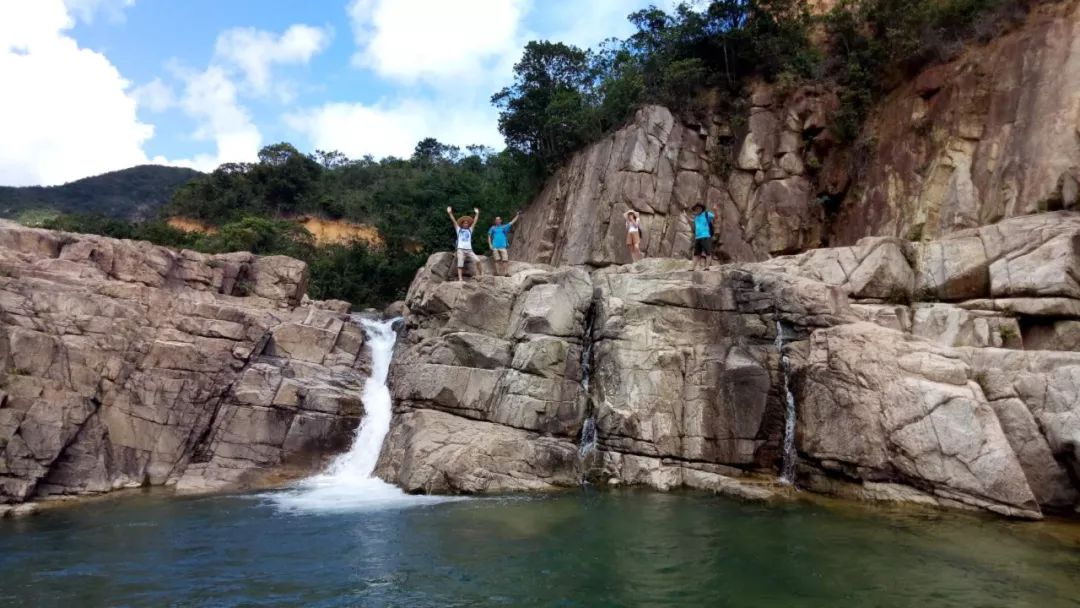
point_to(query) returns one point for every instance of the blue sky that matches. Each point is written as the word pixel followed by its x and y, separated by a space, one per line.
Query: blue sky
pixel 98 85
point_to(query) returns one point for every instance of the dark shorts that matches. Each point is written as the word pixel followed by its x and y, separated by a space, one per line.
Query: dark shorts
pixel 703 247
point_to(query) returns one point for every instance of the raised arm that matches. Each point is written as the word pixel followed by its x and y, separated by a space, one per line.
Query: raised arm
pixel 475 217
pixel 450 212
pixel 516 217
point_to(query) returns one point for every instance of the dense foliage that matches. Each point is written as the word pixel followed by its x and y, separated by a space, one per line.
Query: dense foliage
pixel 131 194
pixel 561 99
pixel 564 97
pixel 405 199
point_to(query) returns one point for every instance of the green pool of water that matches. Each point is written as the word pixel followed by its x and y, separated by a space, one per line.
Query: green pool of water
pixel 573 549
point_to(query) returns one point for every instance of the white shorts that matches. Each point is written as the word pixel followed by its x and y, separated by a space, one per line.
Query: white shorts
pixel 500 255
pixel 466 254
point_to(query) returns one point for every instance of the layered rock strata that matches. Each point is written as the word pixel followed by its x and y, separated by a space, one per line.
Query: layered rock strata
pixel 123 364
pixel 487 381
pixel 906 362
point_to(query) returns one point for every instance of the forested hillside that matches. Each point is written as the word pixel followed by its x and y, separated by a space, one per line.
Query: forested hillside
pixel 130 194
pixel 251 205
pixel 698 58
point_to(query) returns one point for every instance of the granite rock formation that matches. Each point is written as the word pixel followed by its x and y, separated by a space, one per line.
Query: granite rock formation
pixel 992 134
pixel 123 364
pixel 661 167
pixel 906 362
pixel 486 381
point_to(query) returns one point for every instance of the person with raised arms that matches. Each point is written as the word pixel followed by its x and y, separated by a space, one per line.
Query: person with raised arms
pixel 464 230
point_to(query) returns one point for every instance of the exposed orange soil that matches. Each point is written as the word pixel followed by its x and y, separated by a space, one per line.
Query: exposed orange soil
pixel 187 224
pixel 327 232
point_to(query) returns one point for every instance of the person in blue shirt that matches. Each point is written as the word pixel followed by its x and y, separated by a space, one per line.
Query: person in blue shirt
pixel 703 235
pixel 498 241
pixel 464 229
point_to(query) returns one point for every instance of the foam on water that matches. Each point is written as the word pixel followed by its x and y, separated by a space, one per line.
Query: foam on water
pixel 349 483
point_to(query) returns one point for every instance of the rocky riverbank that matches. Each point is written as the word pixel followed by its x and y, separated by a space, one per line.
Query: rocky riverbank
pixel 123 364
pixel 944 372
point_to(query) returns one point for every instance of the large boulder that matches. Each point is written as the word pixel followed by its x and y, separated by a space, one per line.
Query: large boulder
pixel 687 364
pixel 433 452
pixel 876 405
pixel 500 358
pixel 1037 398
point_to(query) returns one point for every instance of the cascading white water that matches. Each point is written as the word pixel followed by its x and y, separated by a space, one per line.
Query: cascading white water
pixel 359 462
pixel 348 483
pixel 790 456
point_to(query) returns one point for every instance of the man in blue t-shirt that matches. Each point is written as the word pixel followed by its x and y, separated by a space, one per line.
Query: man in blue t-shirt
pixel 498 241
pixel 703 233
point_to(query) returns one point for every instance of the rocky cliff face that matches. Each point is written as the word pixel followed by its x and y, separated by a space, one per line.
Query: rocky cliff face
pixel 943 372
pixel 486 381
pixel 123 364
pixel 994 134
pixel 932 355
pixel 661 168
pixel 991 135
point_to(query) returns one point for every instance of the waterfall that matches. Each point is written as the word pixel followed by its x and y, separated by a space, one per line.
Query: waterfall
pixel 349 482
pixel 359 461
pixel 790 456
pixel 587 441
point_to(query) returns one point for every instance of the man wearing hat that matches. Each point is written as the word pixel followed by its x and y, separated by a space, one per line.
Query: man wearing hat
pixel 464 229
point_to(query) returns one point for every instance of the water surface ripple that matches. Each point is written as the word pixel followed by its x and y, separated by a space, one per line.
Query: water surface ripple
pixel 572 549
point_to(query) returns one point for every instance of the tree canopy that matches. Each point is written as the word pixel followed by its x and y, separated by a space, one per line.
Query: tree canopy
pixel 561 98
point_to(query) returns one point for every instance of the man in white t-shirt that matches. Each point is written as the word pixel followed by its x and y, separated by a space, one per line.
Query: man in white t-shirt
pixel 464 229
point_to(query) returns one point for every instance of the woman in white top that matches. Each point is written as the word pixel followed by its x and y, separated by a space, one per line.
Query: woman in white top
pixel 633 235
pixel 464 229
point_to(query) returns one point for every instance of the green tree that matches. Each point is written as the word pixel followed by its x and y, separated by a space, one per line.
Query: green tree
pixel 548 111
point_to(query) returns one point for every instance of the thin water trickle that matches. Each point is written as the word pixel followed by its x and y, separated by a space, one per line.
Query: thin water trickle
pixel 587 441
pixel 790 456
pixel 349 482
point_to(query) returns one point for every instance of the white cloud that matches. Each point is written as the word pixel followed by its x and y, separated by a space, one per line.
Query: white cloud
pixel 66 112
pixel 586 24
pixel 393 129
pixel 242 66
pixel 155 96
pixel 447 58
pixel 87 10
pixel 211 98
pixel 254 52
pixel 435 40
